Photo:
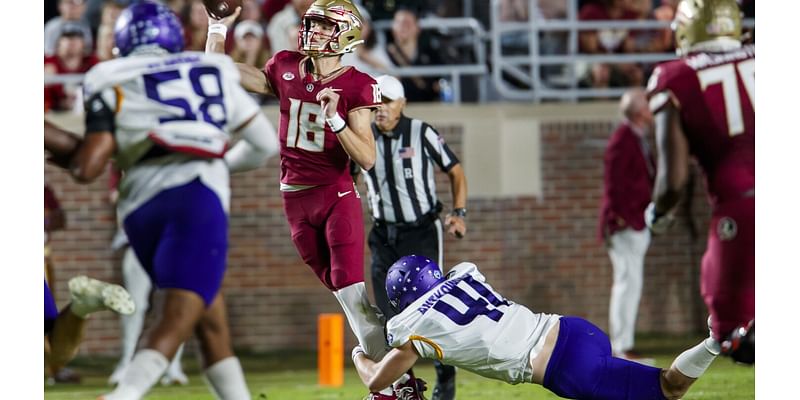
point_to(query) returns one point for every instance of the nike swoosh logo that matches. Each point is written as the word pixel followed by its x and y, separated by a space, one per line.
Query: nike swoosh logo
pixel 342 194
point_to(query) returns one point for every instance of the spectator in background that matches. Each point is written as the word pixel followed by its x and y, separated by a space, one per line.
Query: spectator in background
pixel 70 11
pixel 609 41
pixel 406 48
pixel 271 7
pixel 105 32
pixel 285 25
pixel 177 6
pixel 665 12
pixel 195 26
pixel 386 9
pixel 94 12
pixel 251 11
pixel 70 58
pixel 629 175
pixel 249 44
pixel 363 58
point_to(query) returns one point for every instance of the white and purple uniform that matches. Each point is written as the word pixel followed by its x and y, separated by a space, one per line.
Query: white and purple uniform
pixel 171 116
pixel 465 323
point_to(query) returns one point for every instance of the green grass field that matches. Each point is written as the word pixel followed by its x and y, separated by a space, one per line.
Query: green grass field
pixel 293 376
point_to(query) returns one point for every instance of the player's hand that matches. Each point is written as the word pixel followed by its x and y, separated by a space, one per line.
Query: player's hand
pixel 455 225
pixel 657 222
pixel 329 100
pixel 227 21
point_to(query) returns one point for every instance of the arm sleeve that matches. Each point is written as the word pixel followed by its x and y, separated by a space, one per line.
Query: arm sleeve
pixel 438 149
pixel 258 143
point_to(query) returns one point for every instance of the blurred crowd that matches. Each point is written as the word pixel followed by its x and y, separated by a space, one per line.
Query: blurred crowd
pixel 80 33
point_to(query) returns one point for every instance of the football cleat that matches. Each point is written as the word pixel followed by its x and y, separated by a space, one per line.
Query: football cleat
pixel 740 345
pixel 412 389
pixel 90 295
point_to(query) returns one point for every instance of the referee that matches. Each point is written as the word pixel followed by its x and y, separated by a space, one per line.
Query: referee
pixel 402 199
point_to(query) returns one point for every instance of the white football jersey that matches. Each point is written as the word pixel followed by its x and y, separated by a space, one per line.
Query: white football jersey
pixel 465 323
pixel 186 102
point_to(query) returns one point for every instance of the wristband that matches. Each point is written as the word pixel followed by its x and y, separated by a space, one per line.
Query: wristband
pixel 356 351
pixel 218 28
pixel 336 123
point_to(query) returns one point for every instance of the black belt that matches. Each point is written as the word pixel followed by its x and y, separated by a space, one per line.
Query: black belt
pixel 424 220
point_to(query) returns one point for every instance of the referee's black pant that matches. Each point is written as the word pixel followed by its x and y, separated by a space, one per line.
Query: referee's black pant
pixel 389 242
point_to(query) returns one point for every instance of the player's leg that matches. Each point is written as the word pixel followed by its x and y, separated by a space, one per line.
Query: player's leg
pixel 627 251
pixel 137 282
pixel 728 273
pixel 382 255
pixel 87 296
pixel 175 374
pixel 183 246
pixel 344 235
pixel 322 223
pixel 427 241
pixel 580 366
pixel 222 371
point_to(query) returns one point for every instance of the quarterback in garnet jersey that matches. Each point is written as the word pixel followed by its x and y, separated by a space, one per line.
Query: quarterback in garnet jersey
pixel 324 126
pixel 704 107
pixel 310 151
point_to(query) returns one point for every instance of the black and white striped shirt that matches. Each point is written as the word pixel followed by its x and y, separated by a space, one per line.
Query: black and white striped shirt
pixel 401 184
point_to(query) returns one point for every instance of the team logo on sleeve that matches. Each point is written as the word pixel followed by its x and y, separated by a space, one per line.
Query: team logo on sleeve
pixel 287 76
pixel 389 339
pixel 310 87
pixel 726 229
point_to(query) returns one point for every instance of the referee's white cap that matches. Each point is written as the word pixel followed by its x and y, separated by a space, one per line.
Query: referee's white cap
pixel 391 88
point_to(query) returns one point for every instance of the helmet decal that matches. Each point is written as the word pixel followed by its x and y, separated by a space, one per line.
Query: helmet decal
pixel 409 278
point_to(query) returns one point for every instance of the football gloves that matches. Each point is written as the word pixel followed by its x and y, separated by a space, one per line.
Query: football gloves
pixel 658 223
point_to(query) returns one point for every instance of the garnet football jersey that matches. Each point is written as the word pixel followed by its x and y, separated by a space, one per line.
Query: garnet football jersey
pixel 310 152
pixel 715 94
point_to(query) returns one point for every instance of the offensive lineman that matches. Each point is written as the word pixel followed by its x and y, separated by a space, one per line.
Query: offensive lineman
pixel 325 123
pixel 165 116
pixel 704 105
pixel 460 320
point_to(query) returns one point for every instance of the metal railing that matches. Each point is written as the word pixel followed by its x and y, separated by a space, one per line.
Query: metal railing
pixel 475 37
pixel 527 68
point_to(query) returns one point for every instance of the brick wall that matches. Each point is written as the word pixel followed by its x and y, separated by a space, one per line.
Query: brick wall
pixel 541 252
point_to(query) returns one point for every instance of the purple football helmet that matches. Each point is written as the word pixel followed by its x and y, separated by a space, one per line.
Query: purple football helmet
pixel 409 278
pixel 148 24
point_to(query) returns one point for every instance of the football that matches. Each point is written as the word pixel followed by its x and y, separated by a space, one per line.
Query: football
pixel 221 8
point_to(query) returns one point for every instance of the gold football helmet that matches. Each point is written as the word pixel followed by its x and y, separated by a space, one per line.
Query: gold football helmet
pixel 347 22
pixel 700 21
